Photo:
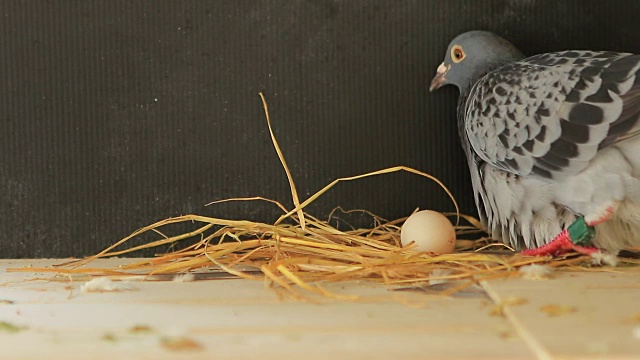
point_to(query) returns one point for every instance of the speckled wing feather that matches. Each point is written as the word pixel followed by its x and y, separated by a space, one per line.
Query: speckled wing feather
pixel 548 115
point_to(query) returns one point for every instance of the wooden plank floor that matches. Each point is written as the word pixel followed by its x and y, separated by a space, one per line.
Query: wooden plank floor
pixel 596 315
pixel 576 315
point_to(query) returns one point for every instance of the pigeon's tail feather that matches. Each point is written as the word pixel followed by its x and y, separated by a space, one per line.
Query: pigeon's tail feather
pixel 621 231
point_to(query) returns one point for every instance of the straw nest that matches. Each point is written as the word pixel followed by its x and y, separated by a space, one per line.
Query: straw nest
pixel 298 253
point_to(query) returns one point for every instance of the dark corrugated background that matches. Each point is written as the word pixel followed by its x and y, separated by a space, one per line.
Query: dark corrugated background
pixel 115 114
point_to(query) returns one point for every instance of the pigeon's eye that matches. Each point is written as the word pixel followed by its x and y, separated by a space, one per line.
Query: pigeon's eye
pixel 457 54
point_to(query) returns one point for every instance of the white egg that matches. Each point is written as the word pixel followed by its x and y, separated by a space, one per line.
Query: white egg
pixel 431 231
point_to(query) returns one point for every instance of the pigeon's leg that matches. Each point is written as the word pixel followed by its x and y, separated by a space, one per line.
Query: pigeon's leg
pixel 601 216
pixel 577 236
pixel 574 237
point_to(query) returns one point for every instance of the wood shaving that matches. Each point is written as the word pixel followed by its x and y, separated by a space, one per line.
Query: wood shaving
pixel 140 329
pixel 498 309
pixel 10 328
pixel 558 310
pixel 180 344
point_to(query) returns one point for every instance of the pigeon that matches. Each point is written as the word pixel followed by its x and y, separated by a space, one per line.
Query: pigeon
pixel 552 143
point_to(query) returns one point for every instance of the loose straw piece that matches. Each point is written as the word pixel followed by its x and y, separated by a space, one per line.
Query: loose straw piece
pixel 373 173
pixel 292 185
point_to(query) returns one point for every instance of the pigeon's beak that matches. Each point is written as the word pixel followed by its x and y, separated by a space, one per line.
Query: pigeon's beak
pixel 439 79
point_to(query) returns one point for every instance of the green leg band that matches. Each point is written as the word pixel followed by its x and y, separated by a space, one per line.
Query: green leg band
pixel 580 233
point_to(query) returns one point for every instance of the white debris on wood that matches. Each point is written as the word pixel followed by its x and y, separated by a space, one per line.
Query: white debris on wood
pixel 105 284
pixel 536 272
pixel 186 277
pixel 601 258
pixel 439 273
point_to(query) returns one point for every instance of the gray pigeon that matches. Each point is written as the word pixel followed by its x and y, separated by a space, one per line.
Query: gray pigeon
pixel 551 142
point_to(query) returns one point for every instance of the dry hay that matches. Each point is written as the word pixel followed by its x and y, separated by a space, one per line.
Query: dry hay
pixel 298 253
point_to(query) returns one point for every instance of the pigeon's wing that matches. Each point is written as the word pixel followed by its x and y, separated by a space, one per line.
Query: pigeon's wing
pixel 548 115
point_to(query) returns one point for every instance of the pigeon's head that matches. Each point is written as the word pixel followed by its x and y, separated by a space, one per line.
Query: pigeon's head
pixel 472 55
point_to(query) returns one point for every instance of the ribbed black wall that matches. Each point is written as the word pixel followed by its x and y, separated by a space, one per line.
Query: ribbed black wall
pixel 115 114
